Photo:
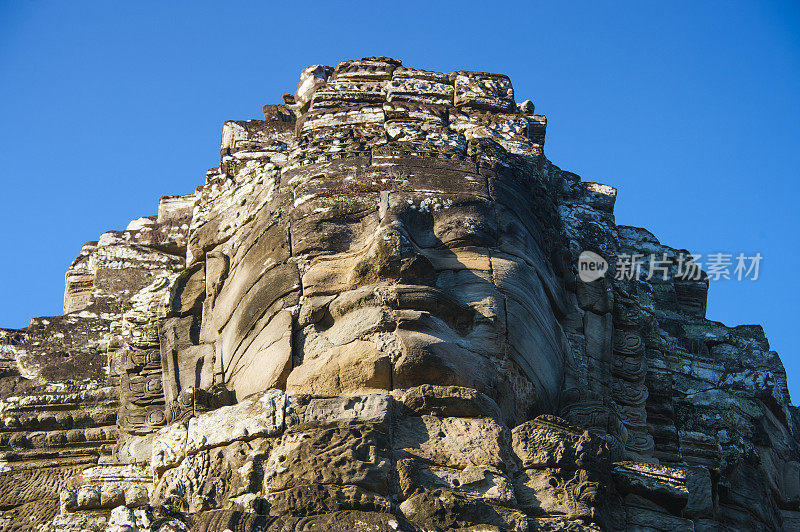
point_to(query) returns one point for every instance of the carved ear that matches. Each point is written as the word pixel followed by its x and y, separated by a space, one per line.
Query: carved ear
pixel 217 265
pixel 188 292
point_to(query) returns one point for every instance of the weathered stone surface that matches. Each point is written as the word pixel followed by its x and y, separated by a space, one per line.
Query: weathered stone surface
pixel 108 486
pixel 369 317
pixel 344 521
pixel 448 401
pixel 482 90
pixel 665 485
pixel 548 441
pixel 481 482
pixel 169 446
pixel 259 415
pixel 315 499
pixel 309 411
pixel 453 442
pixel 354 368
pixel 558 492
pixel 210 478
pixel 315 456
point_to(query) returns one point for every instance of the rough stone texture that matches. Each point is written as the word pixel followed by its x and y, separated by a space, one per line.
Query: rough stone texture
pixel 368 318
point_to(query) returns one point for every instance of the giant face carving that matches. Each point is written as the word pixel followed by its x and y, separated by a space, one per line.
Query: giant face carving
pixel 423 255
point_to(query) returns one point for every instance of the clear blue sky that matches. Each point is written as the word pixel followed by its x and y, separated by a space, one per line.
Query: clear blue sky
pixel 692 110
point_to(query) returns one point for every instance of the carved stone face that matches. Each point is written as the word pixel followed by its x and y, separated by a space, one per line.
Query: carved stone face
pixel 387 270
pixel 410 274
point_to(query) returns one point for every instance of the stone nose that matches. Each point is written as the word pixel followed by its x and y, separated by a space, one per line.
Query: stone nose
pixel 392 256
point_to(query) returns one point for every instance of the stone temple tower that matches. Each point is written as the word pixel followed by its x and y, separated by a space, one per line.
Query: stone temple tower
pixel 371 316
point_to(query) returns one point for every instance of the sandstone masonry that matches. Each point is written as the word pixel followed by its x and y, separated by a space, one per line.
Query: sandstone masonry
pixel 369 318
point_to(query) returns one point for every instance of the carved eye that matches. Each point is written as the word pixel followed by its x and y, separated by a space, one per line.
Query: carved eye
pixel 553 482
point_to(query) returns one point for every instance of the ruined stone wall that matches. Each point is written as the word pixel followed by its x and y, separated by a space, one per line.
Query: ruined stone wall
pixel 369 318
